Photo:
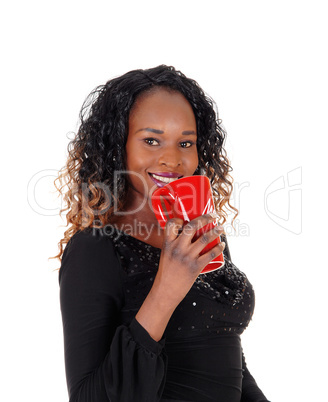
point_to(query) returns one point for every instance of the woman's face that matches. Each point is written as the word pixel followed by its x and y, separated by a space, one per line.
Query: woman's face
pixel 161 144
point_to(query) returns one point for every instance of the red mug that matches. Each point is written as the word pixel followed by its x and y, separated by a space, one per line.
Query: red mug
pixel 188 198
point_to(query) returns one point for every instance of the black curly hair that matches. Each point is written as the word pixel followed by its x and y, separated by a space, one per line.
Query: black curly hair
pixel 98 149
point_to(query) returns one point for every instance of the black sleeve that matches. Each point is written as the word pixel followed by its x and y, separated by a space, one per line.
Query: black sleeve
pixel 104 361
pixel 250 390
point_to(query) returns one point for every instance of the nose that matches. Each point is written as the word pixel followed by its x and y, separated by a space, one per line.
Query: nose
pixel 170 157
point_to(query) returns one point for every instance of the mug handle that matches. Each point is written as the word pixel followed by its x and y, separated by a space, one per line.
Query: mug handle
pixel 157 205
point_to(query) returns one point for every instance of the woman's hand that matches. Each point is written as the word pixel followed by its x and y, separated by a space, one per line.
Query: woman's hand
pixel 179 266
pixel 180 263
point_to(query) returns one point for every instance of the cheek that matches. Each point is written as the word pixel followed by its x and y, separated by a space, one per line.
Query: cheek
pixel 195 161
pixel 130 158
pixel 135 159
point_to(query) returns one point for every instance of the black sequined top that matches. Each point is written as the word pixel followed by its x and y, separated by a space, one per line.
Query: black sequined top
pixel 104 278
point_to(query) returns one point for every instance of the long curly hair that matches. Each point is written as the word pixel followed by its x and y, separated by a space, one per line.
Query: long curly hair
pixel 98 149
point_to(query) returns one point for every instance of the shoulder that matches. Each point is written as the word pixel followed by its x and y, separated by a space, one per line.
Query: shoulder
pixel 89 251
pixel 90 243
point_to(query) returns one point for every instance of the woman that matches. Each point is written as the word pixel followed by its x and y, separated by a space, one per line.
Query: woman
pixel 140 322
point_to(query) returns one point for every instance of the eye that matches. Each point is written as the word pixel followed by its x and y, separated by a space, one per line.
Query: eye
pixel 151 141
pixel 186 144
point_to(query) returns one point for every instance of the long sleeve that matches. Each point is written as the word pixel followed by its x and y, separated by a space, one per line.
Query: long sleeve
pixel 104 361
pixel 250 390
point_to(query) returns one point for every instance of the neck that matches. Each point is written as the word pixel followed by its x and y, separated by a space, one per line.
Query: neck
pixel 141 224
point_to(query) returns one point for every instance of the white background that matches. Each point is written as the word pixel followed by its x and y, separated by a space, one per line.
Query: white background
pixel 265 64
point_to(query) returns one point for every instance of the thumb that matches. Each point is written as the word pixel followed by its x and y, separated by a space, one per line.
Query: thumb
pixel 173 228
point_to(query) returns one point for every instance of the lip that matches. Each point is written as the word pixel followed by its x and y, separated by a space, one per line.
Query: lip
pixel 167 174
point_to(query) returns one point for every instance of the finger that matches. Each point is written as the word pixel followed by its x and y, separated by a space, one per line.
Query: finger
pixel 173 228
pixel 206 239
pixel 206 258
pixel 191 227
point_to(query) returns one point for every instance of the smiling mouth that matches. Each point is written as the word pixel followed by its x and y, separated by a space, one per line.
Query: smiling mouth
pixel 163 180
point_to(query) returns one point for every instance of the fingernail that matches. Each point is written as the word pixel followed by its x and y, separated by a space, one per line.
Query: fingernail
pixel 223 244
pixel 214 215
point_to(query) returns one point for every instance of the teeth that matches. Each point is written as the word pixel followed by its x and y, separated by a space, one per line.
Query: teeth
pixel 164 179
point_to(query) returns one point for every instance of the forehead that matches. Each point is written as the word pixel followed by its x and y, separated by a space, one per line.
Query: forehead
pixel 162 103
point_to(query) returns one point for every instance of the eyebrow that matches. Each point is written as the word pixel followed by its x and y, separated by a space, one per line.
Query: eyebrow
pixel 155 131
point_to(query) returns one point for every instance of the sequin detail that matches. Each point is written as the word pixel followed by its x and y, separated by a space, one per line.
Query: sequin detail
pixel 221 301
pixel 227 284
